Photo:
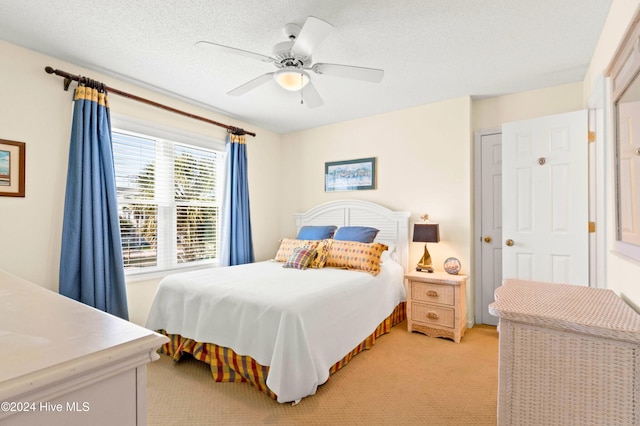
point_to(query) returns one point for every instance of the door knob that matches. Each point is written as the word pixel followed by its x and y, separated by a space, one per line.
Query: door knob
pixel 487 239
pixel 509 242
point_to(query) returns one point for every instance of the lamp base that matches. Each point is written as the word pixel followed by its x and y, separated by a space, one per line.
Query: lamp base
pixel 425 263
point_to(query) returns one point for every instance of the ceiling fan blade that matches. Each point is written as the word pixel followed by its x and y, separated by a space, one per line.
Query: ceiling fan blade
pixel 313 33
pixel 235 51
pixel 251 84
pixel 311 96
pixel 372 75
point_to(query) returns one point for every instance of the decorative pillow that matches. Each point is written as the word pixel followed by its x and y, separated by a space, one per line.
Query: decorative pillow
pixel 362 234
pixel 355 255
pixel 300 258
pixel 287 245
pixel 316 232
pixel 322 248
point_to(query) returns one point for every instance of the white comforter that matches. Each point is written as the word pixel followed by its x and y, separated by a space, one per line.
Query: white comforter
pixel 297 322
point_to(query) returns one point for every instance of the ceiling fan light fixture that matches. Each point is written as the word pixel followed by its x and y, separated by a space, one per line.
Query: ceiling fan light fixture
pixel 291 79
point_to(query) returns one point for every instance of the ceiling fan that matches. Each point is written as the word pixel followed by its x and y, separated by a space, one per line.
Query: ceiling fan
pixel 293 60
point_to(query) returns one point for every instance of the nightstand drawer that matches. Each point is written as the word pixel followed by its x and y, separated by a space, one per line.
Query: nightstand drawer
pixel 433 293
pixel 432 314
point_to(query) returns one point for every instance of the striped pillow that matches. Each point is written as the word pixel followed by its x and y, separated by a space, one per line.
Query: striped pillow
pixel 356 256
pixel 300 258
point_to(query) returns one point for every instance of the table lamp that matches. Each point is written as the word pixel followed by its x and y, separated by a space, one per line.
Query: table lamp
pixel 425 233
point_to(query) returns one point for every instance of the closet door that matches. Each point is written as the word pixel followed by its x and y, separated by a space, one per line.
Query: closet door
pixel 545 199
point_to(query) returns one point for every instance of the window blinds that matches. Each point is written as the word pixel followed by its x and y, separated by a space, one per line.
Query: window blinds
pixel 167 200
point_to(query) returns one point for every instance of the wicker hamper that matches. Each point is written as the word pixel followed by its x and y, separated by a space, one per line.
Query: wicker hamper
pixel 569 355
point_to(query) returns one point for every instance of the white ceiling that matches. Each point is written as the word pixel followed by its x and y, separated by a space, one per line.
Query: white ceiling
pixel 430 50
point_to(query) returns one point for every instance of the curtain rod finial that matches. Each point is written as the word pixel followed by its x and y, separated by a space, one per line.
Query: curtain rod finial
pixel 236 131
pixel 49 70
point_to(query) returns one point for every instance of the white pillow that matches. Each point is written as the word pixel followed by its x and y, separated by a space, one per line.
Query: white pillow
pixel 390 253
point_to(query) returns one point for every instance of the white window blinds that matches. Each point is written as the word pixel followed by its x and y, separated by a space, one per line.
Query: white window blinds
pixel 167 202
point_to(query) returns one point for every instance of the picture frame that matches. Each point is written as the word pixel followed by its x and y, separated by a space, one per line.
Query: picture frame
pixel 12 168
pixel 350 175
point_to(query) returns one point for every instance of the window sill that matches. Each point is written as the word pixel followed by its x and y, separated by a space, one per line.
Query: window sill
pixel 158 275
pixel 629 251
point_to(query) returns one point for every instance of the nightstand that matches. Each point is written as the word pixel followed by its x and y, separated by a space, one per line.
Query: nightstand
pixel 436 304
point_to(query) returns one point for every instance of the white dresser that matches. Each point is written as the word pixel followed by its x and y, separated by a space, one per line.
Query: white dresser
pixel 64 363
pixel 569 355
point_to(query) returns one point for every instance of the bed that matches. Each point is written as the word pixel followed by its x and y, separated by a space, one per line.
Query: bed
pixel 285 330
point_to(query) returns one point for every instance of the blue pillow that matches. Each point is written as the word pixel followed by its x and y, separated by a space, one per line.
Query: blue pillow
pixel 316 232
pixel 361 234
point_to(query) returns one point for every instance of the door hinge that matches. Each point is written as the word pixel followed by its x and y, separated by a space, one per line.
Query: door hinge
pixel 592 137
pixel 592 227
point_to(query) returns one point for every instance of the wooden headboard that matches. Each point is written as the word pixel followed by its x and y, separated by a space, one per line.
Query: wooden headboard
pixel 393 225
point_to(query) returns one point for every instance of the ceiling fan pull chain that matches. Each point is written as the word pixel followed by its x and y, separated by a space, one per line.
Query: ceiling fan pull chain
pixel 301 87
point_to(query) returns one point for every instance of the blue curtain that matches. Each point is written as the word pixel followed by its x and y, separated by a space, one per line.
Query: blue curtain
pixel 91 266
pixel 236 245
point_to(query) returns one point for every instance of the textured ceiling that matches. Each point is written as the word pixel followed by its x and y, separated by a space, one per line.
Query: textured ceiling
pixel 430 50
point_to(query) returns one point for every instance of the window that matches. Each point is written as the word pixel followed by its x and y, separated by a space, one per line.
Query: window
pixel 625 97
pixel 168 201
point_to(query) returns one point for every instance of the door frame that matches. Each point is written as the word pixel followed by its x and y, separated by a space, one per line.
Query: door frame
pixel 600 123
pixel 477 225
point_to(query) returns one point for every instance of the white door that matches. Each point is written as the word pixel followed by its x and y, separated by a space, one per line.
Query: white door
pixel 489 146
pixel 545 199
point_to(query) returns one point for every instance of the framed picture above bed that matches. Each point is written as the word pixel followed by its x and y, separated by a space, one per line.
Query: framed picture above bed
pixel 12 164
pixel 350 175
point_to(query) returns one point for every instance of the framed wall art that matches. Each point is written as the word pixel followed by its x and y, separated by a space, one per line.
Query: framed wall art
pixel 350 175
pixel 12 168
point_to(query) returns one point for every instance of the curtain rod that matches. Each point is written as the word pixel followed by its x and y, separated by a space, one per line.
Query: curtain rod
pixel 70 77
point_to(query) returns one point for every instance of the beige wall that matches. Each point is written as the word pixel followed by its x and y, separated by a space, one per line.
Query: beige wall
pixel 491 113
pixel 622 275
pixel 424 158
pixel 618 22
pixel 423 165
pixel 36 110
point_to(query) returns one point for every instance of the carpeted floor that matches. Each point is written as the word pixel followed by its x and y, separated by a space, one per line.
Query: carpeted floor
pixel 405 379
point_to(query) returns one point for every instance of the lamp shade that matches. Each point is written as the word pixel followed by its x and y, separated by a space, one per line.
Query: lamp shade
pixel 291 79
pixel 426 233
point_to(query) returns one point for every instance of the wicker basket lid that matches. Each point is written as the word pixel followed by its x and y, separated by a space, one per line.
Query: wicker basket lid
pixel 586 310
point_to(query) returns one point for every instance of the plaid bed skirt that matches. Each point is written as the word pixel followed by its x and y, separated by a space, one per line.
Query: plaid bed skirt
pixel 227 366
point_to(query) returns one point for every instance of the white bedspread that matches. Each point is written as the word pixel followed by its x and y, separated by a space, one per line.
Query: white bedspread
pixel 297 322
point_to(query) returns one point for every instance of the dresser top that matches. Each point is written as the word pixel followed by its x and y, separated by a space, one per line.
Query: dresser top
pixel 587 310
pixel 41 330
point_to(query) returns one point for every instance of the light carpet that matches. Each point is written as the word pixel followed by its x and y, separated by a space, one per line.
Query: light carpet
pixel 405 379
